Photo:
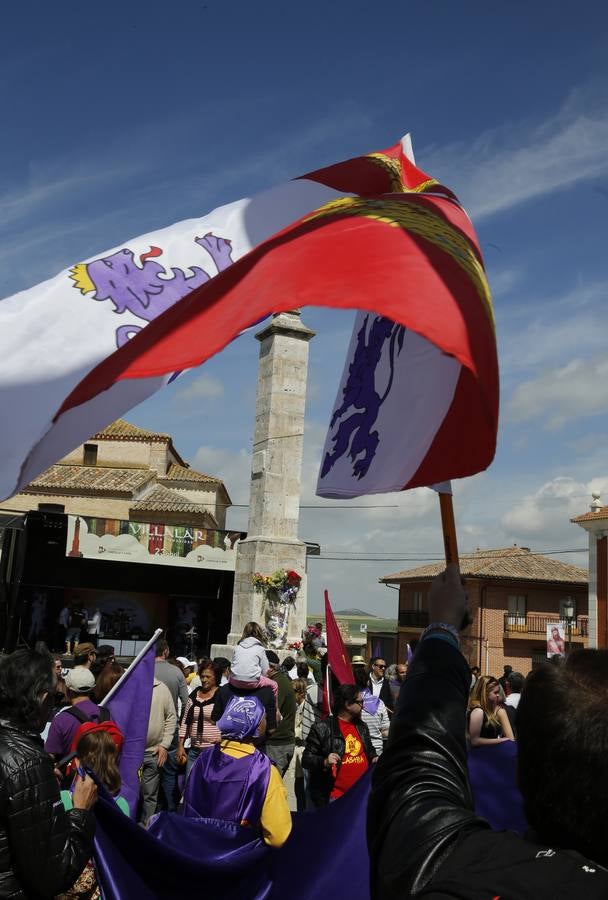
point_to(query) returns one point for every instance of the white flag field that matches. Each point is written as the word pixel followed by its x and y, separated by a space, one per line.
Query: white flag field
pixel 54 334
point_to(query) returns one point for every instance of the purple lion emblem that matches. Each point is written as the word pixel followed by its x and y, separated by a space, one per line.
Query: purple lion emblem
pixel 360 393
pixel 147 289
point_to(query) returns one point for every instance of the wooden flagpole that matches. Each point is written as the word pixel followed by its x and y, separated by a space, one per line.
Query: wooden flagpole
pixel 448 526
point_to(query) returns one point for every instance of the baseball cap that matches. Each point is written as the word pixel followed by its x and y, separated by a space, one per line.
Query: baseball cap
pixel 80 679
pixel 187 663
pixel 358 661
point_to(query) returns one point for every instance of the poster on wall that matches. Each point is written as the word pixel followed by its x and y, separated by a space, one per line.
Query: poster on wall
pixel 173 545
pixel 556 641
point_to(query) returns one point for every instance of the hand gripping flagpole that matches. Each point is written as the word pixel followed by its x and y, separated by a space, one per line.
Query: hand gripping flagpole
pixel 450 544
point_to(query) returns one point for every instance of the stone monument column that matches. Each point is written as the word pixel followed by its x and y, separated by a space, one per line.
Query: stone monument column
pixel 272 536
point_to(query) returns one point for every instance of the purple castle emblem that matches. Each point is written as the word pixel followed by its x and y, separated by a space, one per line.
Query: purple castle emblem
pixel 354 434
pixel 146 289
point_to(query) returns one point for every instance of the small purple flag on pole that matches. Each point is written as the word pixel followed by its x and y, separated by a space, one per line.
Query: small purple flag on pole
pixel 129 706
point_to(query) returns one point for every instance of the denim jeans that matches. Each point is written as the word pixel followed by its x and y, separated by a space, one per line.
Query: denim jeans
pixel 193 755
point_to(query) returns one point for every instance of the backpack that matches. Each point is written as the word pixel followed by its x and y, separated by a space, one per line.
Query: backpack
pixel 104 715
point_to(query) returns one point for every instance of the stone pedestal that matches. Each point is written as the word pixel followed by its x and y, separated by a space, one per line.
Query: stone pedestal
pixel 272 542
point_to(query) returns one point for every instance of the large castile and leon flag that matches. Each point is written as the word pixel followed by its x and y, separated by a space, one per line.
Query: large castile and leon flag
pixel 419 400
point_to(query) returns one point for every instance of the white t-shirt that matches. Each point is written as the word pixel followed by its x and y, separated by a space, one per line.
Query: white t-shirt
pixel 513 700
pixel 93 625
pixel 376 686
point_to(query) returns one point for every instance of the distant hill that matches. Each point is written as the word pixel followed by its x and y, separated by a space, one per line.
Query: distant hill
pixel 360 613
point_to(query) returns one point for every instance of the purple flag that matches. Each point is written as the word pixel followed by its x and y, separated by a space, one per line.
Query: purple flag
pixel 129 706
pixel 493 779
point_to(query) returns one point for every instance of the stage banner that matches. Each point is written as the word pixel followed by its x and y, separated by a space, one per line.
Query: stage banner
pixel 120 540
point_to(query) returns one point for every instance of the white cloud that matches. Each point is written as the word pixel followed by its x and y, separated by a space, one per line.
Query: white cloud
pixel 545 514
pixel 533 340
pixel 560 395
pixel 517 162
pixel 204 387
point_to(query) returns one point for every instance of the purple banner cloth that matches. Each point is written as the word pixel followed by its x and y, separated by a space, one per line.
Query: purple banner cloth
pixel 188 855
pixel 493 777
pixel 325 856
pixel 370 703
pixel 234 789
pixel 129 707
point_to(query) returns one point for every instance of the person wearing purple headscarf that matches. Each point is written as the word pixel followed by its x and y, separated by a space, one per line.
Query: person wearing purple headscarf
pixel 235 782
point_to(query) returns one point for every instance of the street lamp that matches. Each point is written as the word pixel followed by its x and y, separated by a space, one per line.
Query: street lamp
pixel 569 617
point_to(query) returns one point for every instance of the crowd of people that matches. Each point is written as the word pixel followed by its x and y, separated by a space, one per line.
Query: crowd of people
pixel 225 735
pixel 321 754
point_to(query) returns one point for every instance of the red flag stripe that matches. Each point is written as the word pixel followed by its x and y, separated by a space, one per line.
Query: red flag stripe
pixel 348 262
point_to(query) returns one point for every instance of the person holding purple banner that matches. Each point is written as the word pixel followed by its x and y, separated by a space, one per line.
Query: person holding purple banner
pixel 235 782
pixel 424 837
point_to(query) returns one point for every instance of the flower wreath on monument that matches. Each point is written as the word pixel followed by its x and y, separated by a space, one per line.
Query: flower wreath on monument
pixel 285 583
pixel 279 591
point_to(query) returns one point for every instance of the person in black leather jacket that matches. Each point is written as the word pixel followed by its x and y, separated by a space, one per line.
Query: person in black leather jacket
pixel 423 835
pixel 325 745
pixel 43 849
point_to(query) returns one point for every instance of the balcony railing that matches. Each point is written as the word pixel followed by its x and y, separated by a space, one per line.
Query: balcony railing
pixel 413 618
pixel 536 623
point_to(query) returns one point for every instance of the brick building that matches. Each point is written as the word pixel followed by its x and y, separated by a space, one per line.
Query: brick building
pixel 513 595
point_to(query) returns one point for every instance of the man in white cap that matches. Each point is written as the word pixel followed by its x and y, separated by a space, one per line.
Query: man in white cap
pixel 79 683
pixel 190 667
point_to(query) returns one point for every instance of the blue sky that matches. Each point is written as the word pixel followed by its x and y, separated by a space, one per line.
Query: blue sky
pixel 124 118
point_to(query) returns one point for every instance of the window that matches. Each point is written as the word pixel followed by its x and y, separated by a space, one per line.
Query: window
pixel 417 598
pixel 90 455
pixel 516 610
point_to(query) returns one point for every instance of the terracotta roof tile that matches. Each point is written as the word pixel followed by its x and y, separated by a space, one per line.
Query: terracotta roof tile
pixel 507 563
pixel 123 429
pixel 90 479
pixel 599 514
pixel 161 499
pixel 185 473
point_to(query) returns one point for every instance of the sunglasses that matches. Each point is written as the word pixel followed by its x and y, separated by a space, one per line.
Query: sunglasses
pixel 379 667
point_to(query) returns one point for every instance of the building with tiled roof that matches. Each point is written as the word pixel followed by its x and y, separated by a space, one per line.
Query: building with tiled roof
pixel 185 473
pixel 124 472
pixel 514 594
pixel 508 563
pixel 173 506
pixel 122 525
pixel 117 482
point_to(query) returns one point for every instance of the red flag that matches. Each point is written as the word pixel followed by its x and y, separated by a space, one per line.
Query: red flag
pixel 337 656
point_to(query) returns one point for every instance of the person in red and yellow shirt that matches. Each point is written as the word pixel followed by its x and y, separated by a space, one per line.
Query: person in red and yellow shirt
pixel 338 750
